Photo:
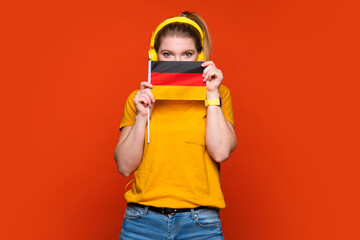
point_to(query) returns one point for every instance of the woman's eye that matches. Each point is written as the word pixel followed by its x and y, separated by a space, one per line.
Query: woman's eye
pixel 166 54
pixel 188 54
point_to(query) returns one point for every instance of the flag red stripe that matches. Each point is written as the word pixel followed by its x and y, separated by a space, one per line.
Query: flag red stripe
pixel 177 79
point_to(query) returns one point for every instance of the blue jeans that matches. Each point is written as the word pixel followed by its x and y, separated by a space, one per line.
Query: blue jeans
pixel 140 223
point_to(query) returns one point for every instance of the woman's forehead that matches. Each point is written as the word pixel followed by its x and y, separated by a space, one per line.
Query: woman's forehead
pixel 178 42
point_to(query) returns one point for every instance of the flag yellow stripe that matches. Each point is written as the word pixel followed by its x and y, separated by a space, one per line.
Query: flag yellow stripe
pixel 179 92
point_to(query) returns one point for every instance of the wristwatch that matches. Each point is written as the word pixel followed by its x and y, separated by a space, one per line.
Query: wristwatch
pixel 213 102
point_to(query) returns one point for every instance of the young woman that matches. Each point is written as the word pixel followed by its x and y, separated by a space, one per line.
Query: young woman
pixel 176 192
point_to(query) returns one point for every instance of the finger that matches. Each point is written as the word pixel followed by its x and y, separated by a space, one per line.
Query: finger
pixel 149 93
pixel 207 63
pixel 148 100
pixel 207 69
pixel 144 85
pixel 146 93
pixel 210 68
pixel 144 100
pixel 142 94
pixel 210 74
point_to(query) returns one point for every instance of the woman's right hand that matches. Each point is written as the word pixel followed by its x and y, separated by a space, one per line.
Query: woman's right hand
pixel 144 99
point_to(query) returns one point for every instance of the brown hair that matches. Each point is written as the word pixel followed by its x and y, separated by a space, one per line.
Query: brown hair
pixel 186 30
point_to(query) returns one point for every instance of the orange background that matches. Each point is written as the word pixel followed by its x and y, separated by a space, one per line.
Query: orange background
pixel 68 67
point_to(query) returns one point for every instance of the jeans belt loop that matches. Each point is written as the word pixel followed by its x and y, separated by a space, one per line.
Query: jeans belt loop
pixel 193 215
pixel 146 209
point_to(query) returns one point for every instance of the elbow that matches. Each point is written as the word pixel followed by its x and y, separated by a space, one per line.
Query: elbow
pixel 122 169
pixel 221 156
pixel 124 172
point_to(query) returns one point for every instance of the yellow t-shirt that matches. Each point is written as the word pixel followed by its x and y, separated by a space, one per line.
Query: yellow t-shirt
pixel 176 170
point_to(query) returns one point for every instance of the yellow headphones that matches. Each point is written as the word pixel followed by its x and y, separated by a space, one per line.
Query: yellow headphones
pixel 152 53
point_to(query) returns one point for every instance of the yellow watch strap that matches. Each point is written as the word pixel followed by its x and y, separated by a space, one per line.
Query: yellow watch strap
pixel 212 102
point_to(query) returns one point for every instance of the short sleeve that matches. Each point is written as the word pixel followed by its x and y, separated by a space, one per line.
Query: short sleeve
pixel 226 104
pixel 130 111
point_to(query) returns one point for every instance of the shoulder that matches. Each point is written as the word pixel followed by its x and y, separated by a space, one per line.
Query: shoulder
pixel 129 111
pixel 133 93
pixel 131 96
pixel 224 91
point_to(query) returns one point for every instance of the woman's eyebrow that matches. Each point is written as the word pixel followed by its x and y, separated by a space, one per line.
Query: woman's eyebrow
pixel 190 50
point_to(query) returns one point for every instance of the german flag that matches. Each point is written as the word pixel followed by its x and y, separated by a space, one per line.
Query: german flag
pixel 177 80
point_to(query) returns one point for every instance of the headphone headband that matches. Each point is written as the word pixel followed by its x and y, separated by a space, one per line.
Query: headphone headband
pixel 152 53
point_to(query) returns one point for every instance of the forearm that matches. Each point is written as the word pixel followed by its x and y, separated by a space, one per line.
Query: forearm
pixel 220 136
pixel 129 151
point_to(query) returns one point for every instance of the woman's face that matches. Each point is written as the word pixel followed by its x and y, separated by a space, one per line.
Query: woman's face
pixel 177 48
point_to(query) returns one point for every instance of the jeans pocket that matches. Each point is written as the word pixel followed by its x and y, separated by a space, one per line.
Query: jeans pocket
pixel 208 219
pixel 133 212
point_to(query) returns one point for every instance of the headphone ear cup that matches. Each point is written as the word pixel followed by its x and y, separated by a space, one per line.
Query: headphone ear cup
pixel 201 56
pixel 153 55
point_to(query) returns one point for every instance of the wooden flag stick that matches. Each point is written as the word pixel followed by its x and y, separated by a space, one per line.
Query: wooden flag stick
pixel 149 80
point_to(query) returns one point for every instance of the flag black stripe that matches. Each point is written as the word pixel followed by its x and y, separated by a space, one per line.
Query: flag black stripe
pixel 176 67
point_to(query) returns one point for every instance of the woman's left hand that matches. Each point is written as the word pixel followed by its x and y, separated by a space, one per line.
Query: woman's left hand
pixel 212 75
